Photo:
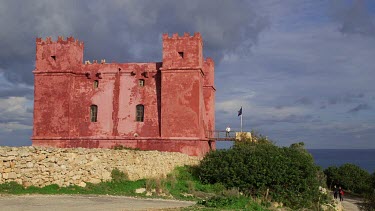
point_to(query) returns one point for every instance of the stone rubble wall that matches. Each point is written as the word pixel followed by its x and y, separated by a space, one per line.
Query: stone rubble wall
pixel 39 166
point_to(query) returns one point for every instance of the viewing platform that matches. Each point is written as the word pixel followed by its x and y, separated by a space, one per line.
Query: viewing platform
pixel 222 135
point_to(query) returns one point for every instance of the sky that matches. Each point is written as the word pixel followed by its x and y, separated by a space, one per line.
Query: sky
pixel 302 70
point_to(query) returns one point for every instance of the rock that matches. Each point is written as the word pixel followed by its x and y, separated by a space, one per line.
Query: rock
pixel 76 177
pixel 26 184
pixel 94 180
pixel 29 165
pixel 140 190
pixel 82 184
pixel 10 175
pixel 7 170
pixel 12 153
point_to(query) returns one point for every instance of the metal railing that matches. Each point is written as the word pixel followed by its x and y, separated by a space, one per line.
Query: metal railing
pixel 221 135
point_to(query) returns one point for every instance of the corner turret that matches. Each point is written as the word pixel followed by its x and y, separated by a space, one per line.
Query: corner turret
pixel 58 56
pixel 182 52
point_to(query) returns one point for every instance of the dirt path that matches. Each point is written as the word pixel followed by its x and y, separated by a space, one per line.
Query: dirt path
pixel 351 204
pixel 84 203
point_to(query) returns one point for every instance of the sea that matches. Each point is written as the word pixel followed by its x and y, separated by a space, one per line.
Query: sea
pixel 364 158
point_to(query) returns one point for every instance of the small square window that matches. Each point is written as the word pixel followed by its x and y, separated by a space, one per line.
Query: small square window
pixel 96 84
pixel 181 54
pixel 141 82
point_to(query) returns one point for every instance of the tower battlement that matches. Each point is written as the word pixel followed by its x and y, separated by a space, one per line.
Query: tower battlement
pixel 60 40
pixel 174 36
pixel 209 61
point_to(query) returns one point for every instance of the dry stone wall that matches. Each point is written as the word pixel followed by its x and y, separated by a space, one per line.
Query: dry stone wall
pixel 39 166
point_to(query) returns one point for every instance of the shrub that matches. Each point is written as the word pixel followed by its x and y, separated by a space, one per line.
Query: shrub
pixel 349 177
pixel 369 199
pixel 369 202
pixel 122 147
pixel 119 176
pixel 289 174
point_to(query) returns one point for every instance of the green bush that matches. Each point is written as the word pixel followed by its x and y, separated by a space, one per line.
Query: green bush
pixel 118 176
pixel 289 173
pixel 369 199
pixel 369 202
pixel 350 177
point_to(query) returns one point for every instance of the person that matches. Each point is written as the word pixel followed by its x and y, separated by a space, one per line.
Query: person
pixel 341 194
pixel 335 192
pixel 227 131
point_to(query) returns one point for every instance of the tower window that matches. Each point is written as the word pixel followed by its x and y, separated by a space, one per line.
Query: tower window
pixel 141 82
pixel 140 113
pixel 96 84
pixel 93 113
pixel 181 54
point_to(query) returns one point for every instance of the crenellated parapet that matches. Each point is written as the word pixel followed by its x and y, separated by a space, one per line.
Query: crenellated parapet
pixel 60 40
pixel 209 61
pixel 60 55
pixel 196 35
pixel 182 52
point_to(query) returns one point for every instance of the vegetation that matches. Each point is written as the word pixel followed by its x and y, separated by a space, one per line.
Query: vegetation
pixel 263 170
pixel 122 147
pixel 354 180
pixel 232 202
pixel 350 177
pixel 180 184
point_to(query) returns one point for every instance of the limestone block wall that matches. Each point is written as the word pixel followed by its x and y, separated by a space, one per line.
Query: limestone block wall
pixel 41 166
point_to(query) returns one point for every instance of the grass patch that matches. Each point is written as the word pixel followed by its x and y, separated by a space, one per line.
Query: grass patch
pixel 126 188
pixel 180 184
pixel 122 147
pixel 232 203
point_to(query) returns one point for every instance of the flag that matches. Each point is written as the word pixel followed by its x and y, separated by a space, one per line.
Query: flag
pixel 240 111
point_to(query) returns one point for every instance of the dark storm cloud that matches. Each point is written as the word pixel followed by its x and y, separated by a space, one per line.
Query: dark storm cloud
pixel 304 101
pixel 122 31
pixel 359 107
pixel 354 17
pixel 292 118
pixel 346 98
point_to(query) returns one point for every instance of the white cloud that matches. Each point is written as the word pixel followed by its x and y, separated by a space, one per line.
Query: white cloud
pixel 14 114
pixel 13 126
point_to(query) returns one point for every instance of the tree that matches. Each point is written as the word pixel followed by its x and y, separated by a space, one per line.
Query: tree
pixel 333 176
pixel 288 174
pixel 349 177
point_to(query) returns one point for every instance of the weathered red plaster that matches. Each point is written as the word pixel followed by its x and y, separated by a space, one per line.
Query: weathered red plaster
pixel 178 98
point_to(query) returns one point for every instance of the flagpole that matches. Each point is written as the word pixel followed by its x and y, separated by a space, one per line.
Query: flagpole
pixel 241 119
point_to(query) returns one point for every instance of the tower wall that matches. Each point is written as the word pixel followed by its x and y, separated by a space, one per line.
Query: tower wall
pixel 181 90
pixel 209 93
pixel 55 62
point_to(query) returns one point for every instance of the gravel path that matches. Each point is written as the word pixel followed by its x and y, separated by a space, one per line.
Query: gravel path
pixel 84 203
pixel 350 204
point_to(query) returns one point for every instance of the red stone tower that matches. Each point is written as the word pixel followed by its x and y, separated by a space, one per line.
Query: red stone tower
pixel 167 106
